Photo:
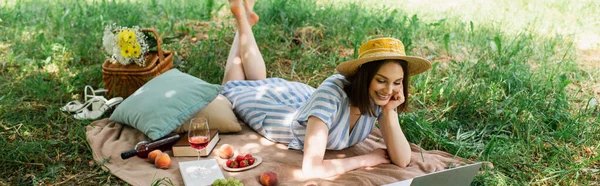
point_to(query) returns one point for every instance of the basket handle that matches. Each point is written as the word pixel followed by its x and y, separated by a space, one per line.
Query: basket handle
pixel 158 42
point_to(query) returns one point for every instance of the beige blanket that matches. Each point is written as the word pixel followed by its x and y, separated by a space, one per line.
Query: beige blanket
pixel 109 139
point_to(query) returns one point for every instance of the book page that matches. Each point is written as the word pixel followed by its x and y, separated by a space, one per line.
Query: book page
pixel 213 172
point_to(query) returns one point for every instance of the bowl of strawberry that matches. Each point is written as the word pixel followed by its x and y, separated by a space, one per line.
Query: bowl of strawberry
pixel 242 162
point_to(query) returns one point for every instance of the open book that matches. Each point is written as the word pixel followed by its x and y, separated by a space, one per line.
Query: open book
pixel 183 148
pixel 211 172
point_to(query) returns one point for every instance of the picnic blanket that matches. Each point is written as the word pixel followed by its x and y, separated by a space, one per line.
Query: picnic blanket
pixel 108 139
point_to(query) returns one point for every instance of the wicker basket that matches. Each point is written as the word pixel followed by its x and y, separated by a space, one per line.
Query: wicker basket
pixel 122 80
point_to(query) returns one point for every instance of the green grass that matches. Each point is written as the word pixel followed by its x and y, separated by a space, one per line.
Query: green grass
pixel 514 97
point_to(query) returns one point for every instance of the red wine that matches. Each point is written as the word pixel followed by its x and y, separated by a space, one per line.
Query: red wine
pixel 198 142
pixel 143 148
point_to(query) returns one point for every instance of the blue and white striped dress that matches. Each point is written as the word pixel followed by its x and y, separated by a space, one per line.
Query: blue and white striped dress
pixel 279 109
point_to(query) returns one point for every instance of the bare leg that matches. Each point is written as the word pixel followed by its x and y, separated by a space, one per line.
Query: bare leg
pixel 245 60
pixel 234 69
pixel 253 62
pixel 252 17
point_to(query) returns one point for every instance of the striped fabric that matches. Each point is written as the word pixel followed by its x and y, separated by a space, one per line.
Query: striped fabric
pixel 331 104
pixel 278 110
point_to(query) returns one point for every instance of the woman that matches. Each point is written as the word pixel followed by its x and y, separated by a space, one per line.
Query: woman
pixel 338 114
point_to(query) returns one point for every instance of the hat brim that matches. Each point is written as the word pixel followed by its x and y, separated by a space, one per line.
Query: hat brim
pixel 416 65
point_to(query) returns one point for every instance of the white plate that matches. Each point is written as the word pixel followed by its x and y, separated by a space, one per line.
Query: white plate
pixel 257 161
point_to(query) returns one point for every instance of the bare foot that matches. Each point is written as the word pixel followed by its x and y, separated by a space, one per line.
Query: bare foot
pixel 252 17
pixel 236 7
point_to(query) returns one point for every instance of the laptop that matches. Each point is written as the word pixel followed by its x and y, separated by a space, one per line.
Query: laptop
pixel 457 176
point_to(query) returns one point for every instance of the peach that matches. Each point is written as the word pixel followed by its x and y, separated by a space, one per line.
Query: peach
pixel 163 161
pixel 268 178
pixel 225 151
pixel 152 155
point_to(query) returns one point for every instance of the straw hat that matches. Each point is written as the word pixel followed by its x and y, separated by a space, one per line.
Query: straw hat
pixel 381 49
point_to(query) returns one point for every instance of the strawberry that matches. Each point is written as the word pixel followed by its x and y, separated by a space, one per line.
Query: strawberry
pixel 244 163
pixel 251 161
pixel 228 163
pixel 239 158
pixel 248 156
pixel 234 164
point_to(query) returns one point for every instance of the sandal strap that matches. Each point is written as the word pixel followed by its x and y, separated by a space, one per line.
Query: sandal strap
pixel 97 112
pixel 89 89
pixel 71 106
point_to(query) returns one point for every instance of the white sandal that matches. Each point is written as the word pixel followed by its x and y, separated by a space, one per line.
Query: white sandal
pixel 89 95
pixel 74 106
pixel 94 92
pixel 85 113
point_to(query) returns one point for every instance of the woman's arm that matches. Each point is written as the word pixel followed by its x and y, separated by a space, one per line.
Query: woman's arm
pixel 395 141
pixel 315 142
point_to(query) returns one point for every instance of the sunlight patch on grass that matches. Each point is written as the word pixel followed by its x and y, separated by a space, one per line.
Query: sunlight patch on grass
pixel 544 17
pixel 547 18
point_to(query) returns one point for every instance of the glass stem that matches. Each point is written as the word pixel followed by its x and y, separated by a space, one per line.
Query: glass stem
pixel 198 158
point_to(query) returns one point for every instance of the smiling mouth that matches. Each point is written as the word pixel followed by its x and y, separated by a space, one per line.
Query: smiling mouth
pixel 382 97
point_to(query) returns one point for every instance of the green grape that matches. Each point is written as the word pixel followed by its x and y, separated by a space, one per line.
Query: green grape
pixel 223 182
pixel 227 182
pixel 219 182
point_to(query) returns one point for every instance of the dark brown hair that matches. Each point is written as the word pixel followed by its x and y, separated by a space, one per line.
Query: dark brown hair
pixel 358 87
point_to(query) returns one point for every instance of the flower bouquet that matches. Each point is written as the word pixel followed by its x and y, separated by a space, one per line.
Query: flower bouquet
pixel 131 62
pixel 126 45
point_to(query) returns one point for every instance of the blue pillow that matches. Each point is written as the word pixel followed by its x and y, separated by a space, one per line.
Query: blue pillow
pixel 165 102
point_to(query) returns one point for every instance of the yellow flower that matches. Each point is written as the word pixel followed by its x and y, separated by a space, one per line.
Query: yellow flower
pixel 127 45
pixel 127 36
pixel 135 50
pixel 126 52
pixel 122 44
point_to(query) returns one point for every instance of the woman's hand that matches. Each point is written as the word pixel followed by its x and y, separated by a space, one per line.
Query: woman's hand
pixel 376 157
pixel 398 147
pixel 395 101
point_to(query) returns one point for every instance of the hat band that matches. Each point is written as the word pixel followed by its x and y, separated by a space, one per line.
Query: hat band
pixel 382 50
pixel 380 54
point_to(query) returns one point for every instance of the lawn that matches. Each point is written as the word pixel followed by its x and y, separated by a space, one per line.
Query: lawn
pixel 512 84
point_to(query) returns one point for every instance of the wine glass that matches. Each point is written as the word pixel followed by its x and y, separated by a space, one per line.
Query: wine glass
pixel 198 137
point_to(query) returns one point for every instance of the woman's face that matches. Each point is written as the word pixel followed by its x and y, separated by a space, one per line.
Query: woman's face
pixel 386 83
